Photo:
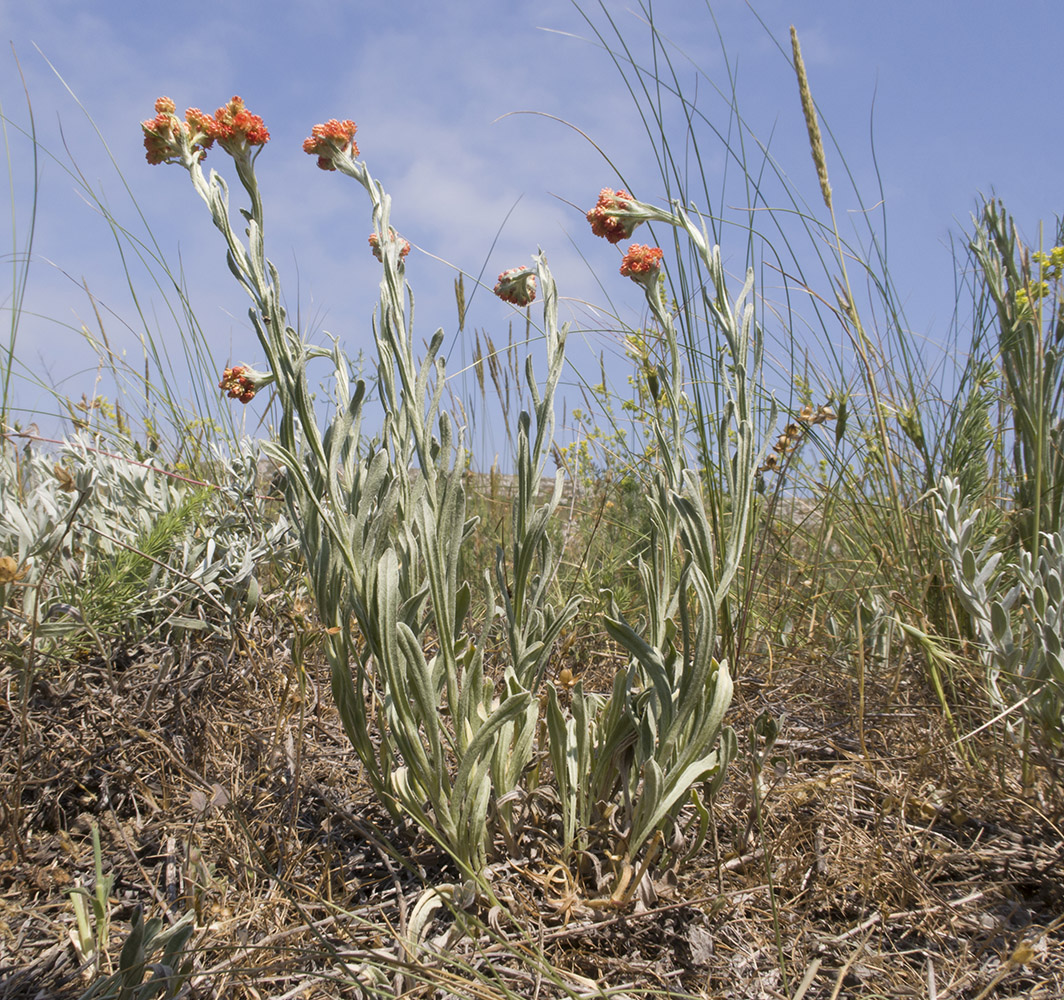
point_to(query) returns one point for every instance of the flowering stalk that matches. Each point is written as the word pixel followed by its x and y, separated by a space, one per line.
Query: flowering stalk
pixel 315 464
pixel 382 523
pixel 242 135
pixel 333 143
pixel 1031 327
pixel 668 705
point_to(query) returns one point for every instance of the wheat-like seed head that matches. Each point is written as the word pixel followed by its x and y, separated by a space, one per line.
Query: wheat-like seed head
pixel 816 143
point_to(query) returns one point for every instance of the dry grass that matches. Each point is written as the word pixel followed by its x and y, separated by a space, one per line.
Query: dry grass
pixel 918 870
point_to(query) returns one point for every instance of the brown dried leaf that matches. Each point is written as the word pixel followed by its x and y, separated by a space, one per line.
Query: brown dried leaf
pixel 8 570
pixel 66 480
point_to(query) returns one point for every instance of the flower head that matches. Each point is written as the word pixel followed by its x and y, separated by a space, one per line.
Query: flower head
pixel 605 217
pixel 167 139
pixel 517 286
pixel 375 246
pixel 331 139
pixel 241 382
pixel 237 129
pixel 641 260
pixel 201 128
pixel 161 138
pixel 617 213
pixel 642 264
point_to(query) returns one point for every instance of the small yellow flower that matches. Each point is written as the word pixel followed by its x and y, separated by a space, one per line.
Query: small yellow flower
pixel 1051 264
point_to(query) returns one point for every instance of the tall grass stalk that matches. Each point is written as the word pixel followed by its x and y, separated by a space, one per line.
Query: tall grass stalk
pixel 20 257
pixel 849 313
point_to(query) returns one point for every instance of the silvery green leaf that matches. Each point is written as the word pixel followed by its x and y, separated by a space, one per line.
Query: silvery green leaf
pixel 999 623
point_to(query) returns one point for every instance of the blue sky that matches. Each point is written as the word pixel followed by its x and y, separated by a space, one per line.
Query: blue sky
pixel 958 97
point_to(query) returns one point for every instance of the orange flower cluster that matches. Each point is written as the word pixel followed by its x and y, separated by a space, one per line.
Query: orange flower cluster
pixel 160 140
pixel 641 259
pixel 792 434
pixel 329 139
pixel 375 245
pixel 604 220
pixel 236 128
pixel 517 286
pixel 238 384
pixel 201 123
pixel 163 134
pixel 167 138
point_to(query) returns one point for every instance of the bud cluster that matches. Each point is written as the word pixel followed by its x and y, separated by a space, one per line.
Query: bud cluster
pixel 375 244
pixel 330 140
pixel 168 139
pixel 241 382
pixel 517 286
pixel 642 264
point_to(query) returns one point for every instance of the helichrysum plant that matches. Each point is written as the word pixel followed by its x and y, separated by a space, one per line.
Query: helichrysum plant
pixel 446 738
pixel 1017 611
pixel 1015 601
pixel 99 550
pixel 383 520
pixel 658 735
